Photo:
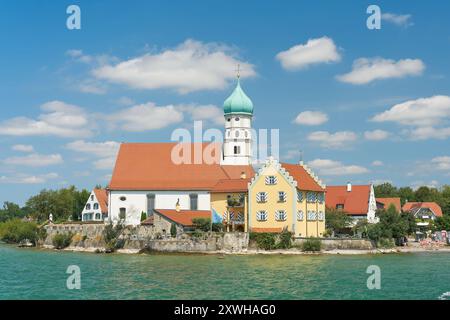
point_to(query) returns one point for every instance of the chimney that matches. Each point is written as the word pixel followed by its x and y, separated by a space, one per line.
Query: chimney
pixel 349 187
pixel 243 175
pixel 177 206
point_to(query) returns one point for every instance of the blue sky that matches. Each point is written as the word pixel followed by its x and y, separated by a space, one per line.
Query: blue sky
pixel 375 103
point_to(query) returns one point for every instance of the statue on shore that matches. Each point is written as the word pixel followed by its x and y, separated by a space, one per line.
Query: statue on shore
pixel 50 218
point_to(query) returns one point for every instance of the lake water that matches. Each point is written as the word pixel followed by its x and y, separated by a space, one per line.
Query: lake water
pixel 41 274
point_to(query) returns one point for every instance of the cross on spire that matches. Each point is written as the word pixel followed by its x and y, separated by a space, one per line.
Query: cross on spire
pixel 238 71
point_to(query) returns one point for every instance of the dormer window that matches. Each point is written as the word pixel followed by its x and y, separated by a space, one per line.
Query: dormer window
pixel 271 180
pixel 340 207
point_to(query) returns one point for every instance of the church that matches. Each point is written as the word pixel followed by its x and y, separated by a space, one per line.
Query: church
pixel 272 197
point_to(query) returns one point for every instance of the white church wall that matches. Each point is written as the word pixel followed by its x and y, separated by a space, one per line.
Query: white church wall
pixel 136 201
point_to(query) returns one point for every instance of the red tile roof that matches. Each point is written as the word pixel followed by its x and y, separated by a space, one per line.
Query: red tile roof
pixel 356 202
pixel 388 201
pixel 433 206
pixel 148 166
pixel 271 230
pixel 183 217
pixel 102 198
pixel 303 178
pixel 231 185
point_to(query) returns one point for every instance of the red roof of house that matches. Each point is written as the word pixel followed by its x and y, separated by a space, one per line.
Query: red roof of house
pixel 433 206
pixel 303 178
pixel 271 230
pixel 183 217
pixel 149 166
pixel 231 185
pixel 102 198
pixel 356 202
pixel 388 201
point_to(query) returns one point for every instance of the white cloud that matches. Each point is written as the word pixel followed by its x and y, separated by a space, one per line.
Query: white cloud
pixel 35 160
pixel 424 117
pixel 22 148
pixel 441 163
pixel 420 112
pixel 311 118
pixel 314 51
pixel 99 149
pixel 106 151
pixel 58 119
pixel 125 101
pixel 204 112
pixel 28 179
pixel 92 86
pixel 191 66
pixel 332 140
pixel 376 135
pixel 335 168
pixel 377 163
pixel 145 117
pixel 402 20
pixel 366 70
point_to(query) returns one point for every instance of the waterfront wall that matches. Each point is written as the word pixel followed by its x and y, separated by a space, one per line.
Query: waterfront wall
pixel 341 244
pixel 90 237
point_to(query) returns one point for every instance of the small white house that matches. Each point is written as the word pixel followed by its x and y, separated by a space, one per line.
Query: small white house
pixel 96 207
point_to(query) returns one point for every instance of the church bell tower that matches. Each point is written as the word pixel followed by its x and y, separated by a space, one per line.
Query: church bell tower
pixel 238 111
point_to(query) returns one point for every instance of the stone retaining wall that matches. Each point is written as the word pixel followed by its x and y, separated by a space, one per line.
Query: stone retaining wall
pixel 342 244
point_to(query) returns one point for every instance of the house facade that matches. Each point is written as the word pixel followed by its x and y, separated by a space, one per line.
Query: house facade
pixel 96 207
pixel 358 201
pixel 286 197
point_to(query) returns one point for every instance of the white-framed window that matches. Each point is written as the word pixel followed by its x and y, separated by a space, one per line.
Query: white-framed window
pixel 300 215
pixel 280 215
pixel 88 206
pixel 300 196
pixel 282 196
pixel 261 197
pixel 96 206
pixel 311 197
pixel 320 197
pixel 271 180
pixel 321 216
pixel 240 216
pixel 261 215
pixel 312 215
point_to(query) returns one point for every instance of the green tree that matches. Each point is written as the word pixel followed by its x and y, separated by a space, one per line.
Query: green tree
pixel 336 220
pixel 385 190
pixel 406 194
pixel 203 224
pixel 442 223
pixel 10 211
pixel 173 230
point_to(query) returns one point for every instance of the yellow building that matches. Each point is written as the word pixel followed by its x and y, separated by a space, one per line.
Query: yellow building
pixel 286 196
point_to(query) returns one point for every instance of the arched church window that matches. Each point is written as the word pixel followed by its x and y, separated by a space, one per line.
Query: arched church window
pixel 237 134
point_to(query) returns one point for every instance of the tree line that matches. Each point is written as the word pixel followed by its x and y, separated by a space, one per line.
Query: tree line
pixel 63 204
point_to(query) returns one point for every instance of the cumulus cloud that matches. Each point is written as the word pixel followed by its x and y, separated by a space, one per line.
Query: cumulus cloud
pixel 23 148
pixel 21 178
pixel 144 117
pixel 35 160
pixel 420 112
pixel 366 70
pixel 332 140
pixel 314 51
pixel 58 119
pixel 311 118
pixel 335 168
pixel 402 20
pixel 105 151
pixel 376 135
pixel 203 112
pixel 441 163
pixel 424 117
pixel 192 66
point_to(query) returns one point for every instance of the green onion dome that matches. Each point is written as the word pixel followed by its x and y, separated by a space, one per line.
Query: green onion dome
pixel 238 102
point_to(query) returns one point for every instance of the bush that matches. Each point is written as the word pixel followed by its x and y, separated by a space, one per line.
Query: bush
pixel 284 240
pixel 111 235
pixel 16 231
pixel 143 216
pixel 217 227
pixel 264 240
pixel 62 240
pixel 312 245
pixel 203 224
